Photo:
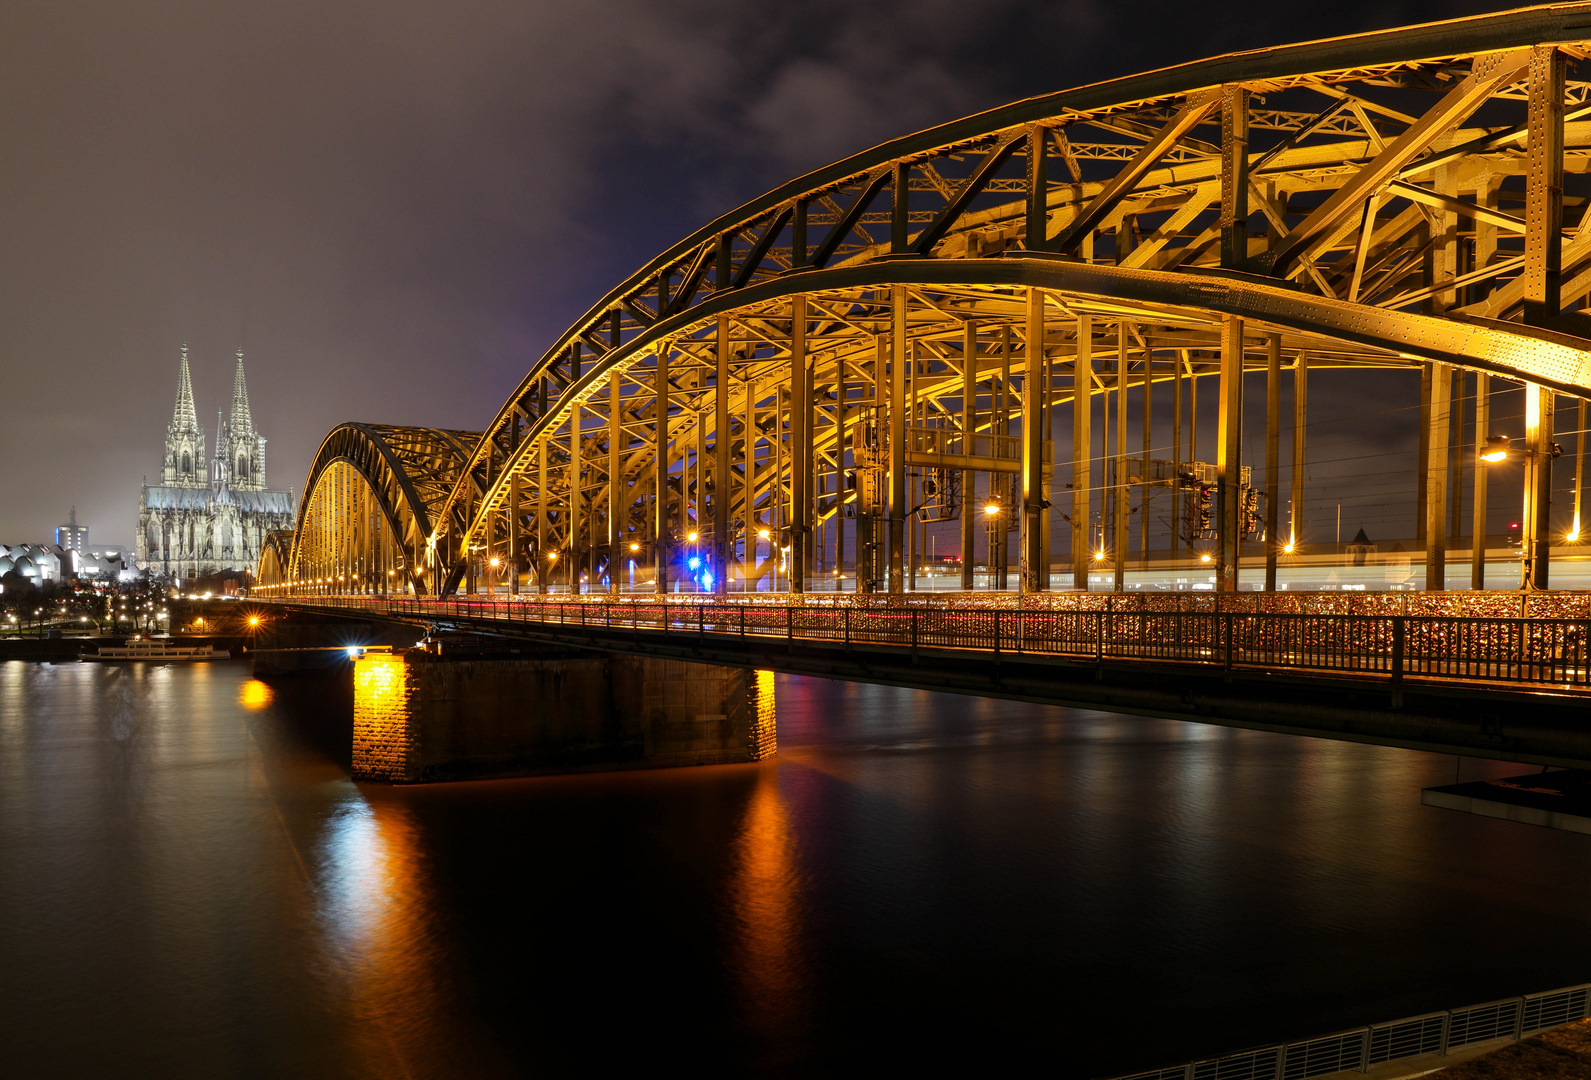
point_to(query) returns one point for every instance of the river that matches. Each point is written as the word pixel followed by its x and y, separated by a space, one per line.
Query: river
pixel 191 886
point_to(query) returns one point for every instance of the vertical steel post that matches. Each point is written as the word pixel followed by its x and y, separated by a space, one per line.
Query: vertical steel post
pixel 1176 456
pixel 1295 531
pixel 1579 466
pixel 1483 408
pixel 999 525
pixel 800 445
pixel 840 390
pixel 1229 457
pixel 1145 489
pixel 897 437
pixel 513 511
pixel 543 562
pixel 969 435
pixel 1455 458
pixel 1273 417
pixel 1544 186
pixel 1035 566
pixel 1036 236
pixel 616 553
pixel 1438 425
pixel 1535 539
pixel 1119 491
pixel 572 545
pixel 1234 176
pixel 1082 449
pixel 1422 477
pixel 721 462
pixel 662 525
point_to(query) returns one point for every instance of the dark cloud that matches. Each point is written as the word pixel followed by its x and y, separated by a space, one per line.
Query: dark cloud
pixel 394 206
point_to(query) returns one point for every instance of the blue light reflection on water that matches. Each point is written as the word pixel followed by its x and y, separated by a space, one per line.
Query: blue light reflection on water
pixel 190 885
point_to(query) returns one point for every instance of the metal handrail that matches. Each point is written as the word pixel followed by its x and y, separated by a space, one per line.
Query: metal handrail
pixel 1513 651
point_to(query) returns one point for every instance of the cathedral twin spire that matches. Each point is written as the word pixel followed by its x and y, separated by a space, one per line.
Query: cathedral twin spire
pixel 186 415
pixel 239 450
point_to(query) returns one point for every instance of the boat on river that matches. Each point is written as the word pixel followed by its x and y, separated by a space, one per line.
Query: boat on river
pixel 150 649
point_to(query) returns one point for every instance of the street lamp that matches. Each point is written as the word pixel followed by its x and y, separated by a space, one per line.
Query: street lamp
pixel 1496 449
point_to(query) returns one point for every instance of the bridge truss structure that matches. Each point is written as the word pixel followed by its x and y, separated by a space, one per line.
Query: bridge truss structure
pixel 897 337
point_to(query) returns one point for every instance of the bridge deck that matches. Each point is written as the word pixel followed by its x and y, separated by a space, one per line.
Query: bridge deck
pixel 1509 688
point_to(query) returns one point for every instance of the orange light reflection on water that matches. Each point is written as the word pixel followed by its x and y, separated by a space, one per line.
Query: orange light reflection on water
pixel 254 694
pixel 766 893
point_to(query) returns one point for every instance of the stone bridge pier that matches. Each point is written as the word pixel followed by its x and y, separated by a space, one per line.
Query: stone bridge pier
pixel 471 708
pixel 422 715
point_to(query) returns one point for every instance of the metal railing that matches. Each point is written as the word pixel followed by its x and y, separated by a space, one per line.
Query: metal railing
pixel 1357 1049
pixel 1537 651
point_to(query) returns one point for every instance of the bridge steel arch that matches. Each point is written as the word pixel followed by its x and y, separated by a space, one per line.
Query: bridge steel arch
pixel 369 507
pixel 818 356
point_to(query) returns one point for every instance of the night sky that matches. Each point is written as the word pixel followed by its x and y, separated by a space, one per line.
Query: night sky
pixel 394 207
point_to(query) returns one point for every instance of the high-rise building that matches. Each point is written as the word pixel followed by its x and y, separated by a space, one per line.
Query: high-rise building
pixel 72 536
pixel 198 521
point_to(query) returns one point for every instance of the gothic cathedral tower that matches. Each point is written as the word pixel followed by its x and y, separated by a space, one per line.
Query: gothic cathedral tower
pixel 240 449
pixel 184 466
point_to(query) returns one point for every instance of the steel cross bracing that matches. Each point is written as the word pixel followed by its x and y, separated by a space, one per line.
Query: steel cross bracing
pixel 1395 199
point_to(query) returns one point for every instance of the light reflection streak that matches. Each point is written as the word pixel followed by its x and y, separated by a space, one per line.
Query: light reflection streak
pixel 376 908
pixel 766 896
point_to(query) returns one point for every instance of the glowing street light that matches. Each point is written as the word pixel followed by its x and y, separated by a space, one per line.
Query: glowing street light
pixel 1496 449
pixel 991 509
pixel 1206 557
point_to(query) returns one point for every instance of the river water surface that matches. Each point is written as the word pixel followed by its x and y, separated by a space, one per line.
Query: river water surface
pixel 191 886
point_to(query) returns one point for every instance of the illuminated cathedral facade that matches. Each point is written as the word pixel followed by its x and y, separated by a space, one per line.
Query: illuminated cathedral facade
pixel 209 515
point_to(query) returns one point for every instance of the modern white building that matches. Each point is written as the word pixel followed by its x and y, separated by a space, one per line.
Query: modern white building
pixel 37 563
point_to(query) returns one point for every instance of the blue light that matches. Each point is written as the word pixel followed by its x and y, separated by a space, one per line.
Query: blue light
pixel 707 581
pixel 694 562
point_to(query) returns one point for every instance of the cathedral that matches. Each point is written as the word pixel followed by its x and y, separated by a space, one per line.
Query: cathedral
pixel 209 516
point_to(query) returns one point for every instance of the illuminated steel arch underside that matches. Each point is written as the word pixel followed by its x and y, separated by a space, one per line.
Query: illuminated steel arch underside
pixel 1350 201
pixel 399 479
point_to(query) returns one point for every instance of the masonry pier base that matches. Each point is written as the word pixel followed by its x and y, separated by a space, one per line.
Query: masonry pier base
pixel 423 716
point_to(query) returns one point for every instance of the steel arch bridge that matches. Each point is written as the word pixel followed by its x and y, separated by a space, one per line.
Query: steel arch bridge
pixel 797 386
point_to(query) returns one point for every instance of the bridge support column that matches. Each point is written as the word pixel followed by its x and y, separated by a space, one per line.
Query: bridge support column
pixel 1082 450
pixel 721 482
pixel 897 440
pixel 1535 537
pixel 1119 490
pixel 969 434
pixel 1483 411
pixel 1295 528
pixel 1229 457
pixel 800 446
pixel 421 716
pixel 1273 417
pixel 662 525
pixel 544 558
pixel 617 548
pixel 1438 424
pixel 1035 403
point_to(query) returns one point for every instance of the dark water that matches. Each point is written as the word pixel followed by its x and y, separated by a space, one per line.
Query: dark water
pixel 191 886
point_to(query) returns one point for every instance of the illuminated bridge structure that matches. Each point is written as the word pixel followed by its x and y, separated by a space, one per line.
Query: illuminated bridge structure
pixel 965 322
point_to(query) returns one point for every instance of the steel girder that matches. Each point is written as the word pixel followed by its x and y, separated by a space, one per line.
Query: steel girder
pixel 1351 197
pixel 1376 230
pixel 409 472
